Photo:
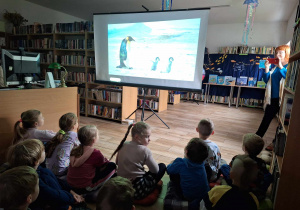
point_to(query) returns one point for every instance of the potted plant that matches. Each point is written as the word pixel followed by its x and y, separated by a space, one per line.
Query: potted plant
pixel 16 19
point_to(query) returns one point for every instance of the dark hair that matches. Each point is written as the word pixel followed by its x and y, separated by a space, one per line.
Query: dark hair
pixel 25 153
pixel 66 123
pixel 28 119
pixel 137 129
pixel 196 150
pixel 206 127
pixel 253 144
pixel 86 136
pixel 246 170
pixel 118 194
pixel 16 185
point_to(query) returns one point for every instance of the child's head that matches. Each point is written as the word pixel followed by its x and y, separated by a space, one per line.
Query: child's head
pixel 252 144
pixel 19 187
pixel 116 194
pixel 87 135
pixel 140 133
pixel 67 122
pixel 205 128
pixel 243 171
pixel 196 150
pixel 30 119
pixel 26 153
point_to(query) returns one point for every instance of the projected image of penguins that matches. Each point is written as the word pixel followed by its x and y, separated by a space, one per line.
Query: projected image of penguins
pixel 154 65
pixel 171 59
pixel 123 52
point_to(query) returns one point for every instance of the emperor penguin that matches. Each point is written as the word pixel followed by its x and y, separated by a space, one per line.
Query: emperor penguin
pixel 171 59
pixel 123 52
pixel 154 65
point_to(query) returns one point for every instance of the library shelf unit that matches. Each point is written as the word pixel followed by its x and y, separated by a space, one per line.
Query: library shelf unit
pixel 155 98
pixel 110 102
pixel 287 186
pixel 173 98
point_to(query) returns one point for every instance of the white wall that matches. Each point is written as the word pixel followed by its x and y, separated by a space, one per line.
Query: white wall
pixel 35 13
pixel 290 28
pixel 262 34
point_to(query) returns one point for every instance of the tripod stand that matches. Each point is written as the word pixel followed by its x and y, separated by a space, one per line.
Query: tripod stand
pixel 143 110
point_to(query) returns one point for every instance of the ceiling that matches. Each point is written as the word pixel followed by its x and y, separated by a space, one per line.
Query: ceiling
pixel 223 11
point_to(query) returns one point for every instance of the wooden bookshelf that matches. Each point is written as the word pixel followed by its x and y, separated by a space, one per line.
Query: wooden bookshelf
pixel 173 98
pixel 160 98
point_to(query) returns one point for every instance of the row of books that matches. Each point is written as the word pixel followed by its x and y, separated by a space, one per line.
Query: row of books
pixel 246 50
pixel 45 43
pixel 104 111
pixel 148 92
pixel 37 28
pixel 287 108
pixel 91 77
pixel 76 60
pixel 151 103
pixel 90 44
pixel 295 44
pixel 78 44
pixel 90 61
pixel 18 43
pixel 240 81
pixel 46 57
pixel 292 75
pixel 250 102
pixel 76 76
pixel 75 27
pixel 105 95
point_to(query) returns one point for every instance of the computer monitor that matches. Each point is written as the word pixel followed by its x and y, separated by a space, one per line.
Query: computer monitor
pixel 19 64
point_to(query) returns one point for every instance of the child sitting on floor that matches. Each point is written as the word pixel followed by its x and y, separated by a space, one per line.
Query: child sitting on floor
pixel 252 146
pixel 31 120
pixel 54 193
pixel 188 175
pixel 117 193
pixel 59 148
pixel 213 162
pixel 19 187
pixel 133 155
pixel 236 197
pixel 88 169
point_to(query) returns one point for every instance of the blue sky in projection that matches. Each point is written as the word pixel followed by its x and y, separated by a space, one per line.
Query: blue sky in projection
pixel 160 50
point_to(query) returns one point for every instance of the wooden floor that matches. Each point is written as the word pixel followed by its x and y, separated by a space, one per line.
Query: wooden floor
pixel 168 144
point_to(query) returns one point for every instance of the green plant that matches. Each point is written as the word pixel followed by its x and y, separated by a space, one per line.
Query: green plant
pixel 15 18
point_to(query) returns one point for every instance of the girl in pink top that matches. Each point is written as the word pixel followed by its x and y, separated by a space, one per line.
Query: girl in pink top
pixel 88 168
pixel 133 155
pixel 31 120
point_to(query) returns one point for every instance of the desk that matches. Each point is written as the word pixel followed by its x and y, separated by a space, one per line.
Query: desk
pixel 207 92
pixel 239 93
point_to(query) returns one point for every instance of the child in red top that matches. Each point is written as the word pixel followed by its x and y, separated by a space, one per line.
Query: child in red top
pixel 88 169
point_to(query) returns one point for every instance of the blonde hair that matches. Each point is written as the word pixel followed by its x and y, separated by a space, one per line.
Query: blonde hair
pixel 86 136
pixel 245 170
pixel 253 144
pixel 206 127
pixel 286 49
pixel 66 123
pixel 117 193
pixel 28 119
pixel 137 129
pixel 25 153
pixel 16 185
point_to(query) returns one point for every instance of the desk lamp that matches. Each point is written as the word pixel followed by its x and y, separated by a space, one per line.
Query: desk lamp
pixel 63 75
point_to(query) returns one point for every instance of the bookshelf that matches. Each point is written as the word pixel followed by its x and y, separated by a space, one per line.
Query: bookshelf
pixel 155 98
pixel 72 45
pixel 173 98
pixel 287 193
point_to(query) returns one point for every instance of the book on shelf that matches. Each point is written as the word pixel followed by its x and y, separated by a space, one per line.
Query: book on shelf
pixel 252 81
pixel 221 80
pixel 242 81
pixel 261 84
pixel 213 79
pixel 104 111
pixel 287 108
pixel 291 75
